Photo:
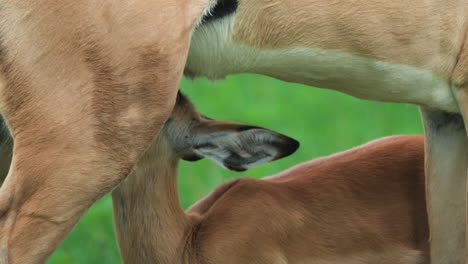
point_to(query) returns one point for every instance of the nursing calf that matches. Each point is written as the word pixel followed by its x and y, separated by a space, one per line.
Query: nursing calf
pixel 364 205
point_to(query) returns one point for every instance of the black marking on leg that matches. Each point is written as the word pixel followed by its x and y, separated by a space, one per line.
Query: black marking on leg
pixel 221 9
pixel 451 119
pixel 442 120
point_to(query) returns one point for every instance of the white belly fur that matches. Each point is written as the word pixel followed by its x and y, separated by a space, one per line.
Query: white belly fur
pixel 213 55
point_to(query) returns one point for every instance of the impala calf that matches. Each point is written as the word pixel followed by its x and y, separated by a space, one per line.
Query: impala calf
pixel 365 205
pixel 395 51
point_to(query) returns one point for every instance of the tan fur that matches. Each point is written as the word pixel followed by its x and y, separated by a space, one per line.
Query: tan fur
pixel 365 205
pixel 401 31
pixel 70 73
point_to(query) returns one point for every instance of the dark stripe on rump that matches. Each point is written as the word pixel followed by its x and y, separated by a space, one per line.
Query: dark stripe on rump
pixel 221 9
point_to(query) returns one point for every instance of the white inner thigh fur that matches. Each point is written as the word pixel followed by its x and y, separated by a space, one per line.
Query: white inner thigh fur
pixel 214 55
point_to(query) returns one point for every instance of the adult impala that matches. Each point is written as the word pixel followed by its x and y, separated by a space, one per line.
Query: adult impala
pixel 394 51
pixel 85 85
pixel 362 206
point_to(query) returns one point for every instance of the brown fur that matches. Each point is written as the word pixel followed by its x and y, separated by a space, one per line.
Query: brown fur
pixel 84 87
pixel 365 205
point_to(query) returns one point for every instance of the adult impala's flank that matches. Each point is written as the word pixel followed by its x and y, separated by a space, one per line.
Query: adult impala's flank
pixel 394 51
pixel 363 206
pixel 85 85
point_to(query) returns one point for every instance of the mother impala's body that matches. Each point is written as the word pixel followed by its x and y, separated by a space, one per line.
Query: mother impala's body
pixel 394 51
pixel 359 47
pixel 399 51
pixel 84 87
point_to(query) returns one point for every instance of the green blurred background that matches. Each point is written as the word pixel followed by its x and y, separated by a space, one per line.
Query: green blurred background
pixel 323 121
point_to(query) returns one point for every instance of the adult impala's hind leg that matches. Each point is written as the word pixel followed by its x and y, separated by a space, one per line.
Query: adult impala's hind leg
pixel 83 97
pixel 446 168
pixel 460 92
pixel 61 166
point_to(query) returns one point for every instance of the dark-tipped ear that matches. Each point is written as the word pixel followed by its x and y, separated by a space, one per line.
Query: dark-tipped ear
pixel 242 149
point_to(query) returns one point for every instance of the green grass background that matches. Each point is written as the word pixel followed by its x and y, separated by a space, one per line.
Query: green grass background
pixel 323 121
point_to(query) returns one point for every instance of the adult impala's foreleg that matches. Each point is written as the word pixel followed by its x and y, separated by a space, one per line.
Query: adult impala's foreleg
pixel 83 97
pixel 446 167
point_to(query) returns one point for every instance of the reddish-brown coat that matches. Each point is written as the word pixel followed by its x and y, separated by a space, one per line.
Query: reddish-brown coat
pixel 368 201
